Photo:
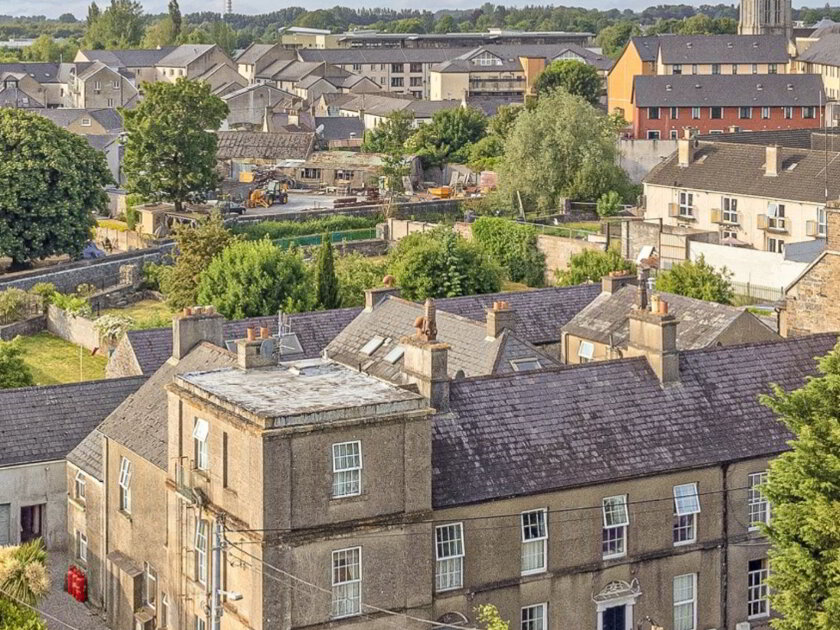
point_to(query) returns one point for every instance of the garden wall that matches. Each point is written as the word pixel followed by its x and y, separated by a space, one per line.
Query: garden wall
pixel 25 327
pixel 75 329
pixel 122 240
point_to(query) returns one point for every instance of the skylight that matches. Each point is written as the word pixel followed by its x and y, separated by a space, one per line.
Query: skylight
pixel 373 345
pixel 395 354
pixel 523 365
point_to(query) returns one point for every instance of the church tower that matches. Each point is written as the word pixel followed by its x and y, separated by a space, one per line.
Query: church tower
pixel 766 17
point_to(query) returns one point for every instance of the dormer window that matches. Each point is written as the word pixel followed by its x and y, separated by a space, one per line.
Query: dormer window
pixel 486 59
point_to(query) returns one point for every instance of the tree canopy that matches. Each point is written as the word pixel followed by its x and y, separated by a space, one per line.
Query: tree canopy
pixel 325 279
pixel 13 370
pixel 195 247
pixel 803 488
pixel 391 134
pixel 591 265
pixel 514 246
pixel 121 25
pixel 441 263
pixel 448 136
pixel 356 273
pixel 252 278
pixel 170 148
pixel 563 148
pixel 576 77
pixel 51 183
pixel 697 279
pixel 613 38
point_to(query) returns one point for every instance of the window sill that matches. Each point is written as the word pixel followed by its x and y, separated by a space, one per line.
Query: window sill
pixel 79 505
pixel 534 572
pixel 125 515
pixel 684 543
pixel 450 592
pixel 758 617
pixel 615 556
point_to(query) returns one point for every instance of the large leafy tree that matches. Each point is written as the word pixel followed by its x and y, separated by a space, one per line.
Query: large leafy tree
pixel 175 17
pixel 391 134
pixel 170 149
pixel 591 265
pixel 195 247
pixel 13 370
pixel 697 279
pixel 448 136
pixel 563 148
pixel 252 278
pixel 613 38
pixel 440 263
pixel 118 26
pixel 804 490
pixel 575 77
pixel 356 273
pixel 325 279
pixel 51 183
pixel 514 246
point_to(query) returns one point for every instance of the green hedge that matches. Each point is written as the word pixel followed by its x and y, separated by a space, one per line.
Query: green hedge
pixel 286 229
pixel 514 246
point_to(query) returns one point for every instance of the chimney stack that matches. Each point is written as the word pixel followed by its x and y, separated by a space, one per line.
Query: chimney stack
pixel 616 280
pixel 499 317
pixel 653 335
pixel 425 360
pixel 773 163
pixel 641 288
pixel 192 326
pixel 685 150
pixel 377 294
pixel 250 352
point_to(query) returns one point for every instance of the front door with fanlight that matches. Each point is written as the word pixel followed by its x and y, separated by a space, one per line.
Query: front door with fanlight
pixel 615 618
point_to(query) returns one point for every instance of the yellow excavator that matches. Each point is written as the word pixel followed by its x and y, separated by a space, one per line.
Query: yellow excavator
pixel 270 193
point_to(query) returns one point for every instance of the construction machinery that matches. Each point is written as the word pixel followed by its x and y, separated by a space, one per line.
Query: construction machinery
pixel 272 192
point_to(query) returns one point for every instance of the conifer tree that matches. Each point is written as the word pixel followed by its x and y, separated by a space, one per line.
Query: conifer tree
pixel 327 281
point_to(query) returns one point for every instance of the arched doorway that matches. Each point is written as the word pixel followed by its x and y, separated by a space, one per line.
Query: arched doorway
pixel 614 605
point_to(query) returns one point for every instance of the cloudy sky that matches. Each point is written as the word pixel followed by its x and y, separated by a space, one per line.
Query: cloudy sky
pixel 53 8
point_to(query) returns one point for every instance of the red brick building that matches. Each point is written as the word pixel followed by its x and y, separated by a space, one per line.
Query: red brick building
pixel 665 104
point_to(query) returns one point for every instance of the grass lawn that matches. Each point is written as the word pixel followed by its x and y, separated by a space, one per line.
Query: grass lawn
pixel 145 313
pixel 53 360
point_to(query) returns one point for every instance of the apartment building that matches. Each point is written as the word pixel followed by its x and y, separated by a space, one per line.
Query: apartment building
pixel 823 58
pixel 753 195
pixel 691 54
pixel 664 105
pixel 374 39
pixel 371 501
pixel 256 57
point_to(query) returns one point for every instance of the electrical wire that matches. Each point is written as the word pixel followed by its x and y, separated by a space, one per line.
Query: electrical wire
pixel 291 576
pixel 517 514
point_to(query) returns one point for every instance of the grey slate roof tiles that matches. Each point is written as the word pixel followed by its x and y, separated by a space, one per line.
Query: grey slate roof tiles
pixel 40 424
pixel 559 428
pixel 826 50
pixel 87 456
pixel 724 49
pixel 728 90
pixel 275 145
pixel 605 319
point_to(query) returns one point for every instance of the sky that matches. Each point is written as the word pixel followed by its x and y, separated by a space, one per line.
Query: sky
pixel 54 8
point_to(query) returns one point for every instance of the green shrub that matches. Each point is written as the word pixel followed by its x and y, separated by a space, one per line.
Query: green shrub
pixel 285 229
pixel 74 304
pixel 591 265
pixel 356 273
pixel 13 304
pixel 44 290
pixel 16 617
pixel 13 370
pixel 608 204
pixel 514 246
pixel 85 289
pixel 131 218
pixel 152 274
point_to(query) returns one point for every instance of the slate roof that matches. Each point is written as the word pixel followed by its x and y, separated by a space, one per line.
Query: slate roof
pixel 541 312
pixel 739 169
pixel 253 53
pixel 384 104
pixel 129 58
pixel 577 425
pixel 273 145
pixel 109 118
pixel 42 72
pixel 470 350
pixel 39 424
pixel 647 47
pixel 490 105
pixel 87 456
pixel 139 423
pixel 805 251
pixel 16 97
pixel 339 127
pixel 184 55
pixel 825 51
pixel 728 90
pixel 688 49
pixel 344 56
pixel 793 138
pixel 700 322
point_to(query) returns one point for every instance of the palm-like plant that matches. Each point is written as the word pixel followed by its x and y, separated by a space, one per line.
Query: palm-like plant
pixel 23 572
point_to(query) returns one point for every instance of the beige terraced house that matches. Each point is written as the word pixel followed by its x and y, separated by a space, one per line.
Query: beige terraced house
pixel 425 463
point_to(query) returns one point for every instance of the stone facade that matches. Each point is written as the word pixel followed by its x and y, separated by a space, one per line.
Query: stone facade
pixel 84 518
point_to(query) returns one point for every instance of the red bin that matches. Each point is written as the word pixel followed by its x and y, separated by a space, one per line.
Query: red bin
pixel 81 594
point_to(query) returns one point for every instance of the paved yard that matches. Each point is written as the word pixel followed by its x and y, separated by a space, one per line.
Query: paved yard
pixel 61 606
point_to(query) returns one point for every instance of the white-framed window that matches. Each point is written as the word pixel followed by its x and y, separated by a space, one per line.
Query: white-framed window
pixel 97 85
pixel 685 602
pixel 730 210
pixel 788 112
pixel 758 508
pixel 346 582
pixel 734 68
pixel 115 84
pixel 686 204
pixel 765 112
pixel 677 68
pixel 81 546
pixel 653 113
pixel 164 610
pixel 534 617
pixel 755 68
pixel 125 485
pixel 686 509
pixel 822 224
pixel 200 545
pixel 675 113
pixel 653 134
pixel 809 111
pixel 347 469
pixel 695 113
pixel 449 556
pixel 486 59
pixel 586 351
pixel 534 541
pixel 715 68
pixel 523 365
pixel 745 112
pixel 79 483
pixel 201 429
pixel 673 134
pixel 757 604
pixel 773 68
pixel 200 622
pixel 149 586
pixel 110 102
pixel 776 245
pixel 85 122
pixel 616 520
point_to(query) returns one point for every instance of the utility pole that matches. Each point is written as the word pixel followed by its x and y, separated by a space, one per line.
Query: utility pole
pixel 216 609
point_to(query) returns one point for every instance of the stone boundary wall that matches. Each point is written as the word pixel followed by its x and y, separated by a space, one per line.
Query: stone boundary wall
pixel 411 209
pixel 25 327
pixel 73 328
pixel 122 240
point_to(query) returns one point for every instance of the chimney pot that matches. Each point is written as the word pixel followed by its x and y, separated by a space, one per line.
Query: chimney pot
pixel 663 307
pixel 249 334
pixel 264 332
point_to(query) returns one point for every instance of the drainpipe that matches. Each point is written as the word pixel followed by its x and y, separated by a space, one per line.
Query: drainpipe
pixel 724 556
